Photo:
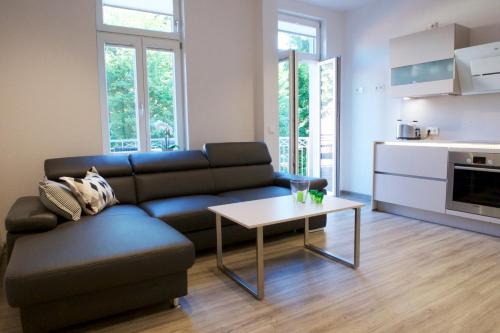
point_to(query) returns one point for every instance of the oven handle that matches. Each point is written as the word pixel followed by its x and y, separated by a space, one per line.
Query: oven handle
pixel 458 167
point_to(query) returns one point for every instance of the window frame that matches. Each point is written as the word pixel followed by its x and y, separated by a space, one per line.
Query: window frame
pixel 310 22
pixel 175 35
pixel 141 44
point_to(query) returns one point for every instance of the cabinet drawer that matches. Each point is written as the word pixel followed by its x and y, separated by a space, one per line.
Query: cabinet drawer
pixel 411 192
pixel 417 161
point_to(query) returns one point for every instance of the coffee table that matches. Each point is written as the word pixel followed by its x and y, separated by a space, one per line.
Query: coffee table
pixel 257 214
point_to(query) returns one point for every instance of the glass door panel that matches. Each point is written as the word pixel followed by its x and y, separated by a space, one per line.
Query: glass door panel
pixel 286 105
pixel 328 123
pixel 303 119
pixel 161 100
pixel 121 89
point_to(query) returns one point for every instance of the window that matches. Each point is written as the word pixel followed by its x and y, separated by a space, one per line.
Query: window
pixel 300 34
pixel 155 17
pixel 140 81
pixel 139 14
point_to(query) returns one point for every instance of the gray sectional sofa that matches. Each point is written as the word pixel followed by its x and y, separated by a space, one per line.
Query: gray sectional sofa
pixel 136 253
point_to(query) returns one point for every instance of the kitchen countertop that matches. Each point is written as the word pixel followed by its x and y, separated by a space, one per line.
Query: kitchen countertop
pixel 451 145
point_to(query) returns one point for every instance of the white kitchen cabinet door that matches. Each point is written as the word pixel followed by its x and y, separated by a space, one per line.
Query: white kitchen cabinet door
pixel 429 88
pixel 428 45
pixel 429 162
pixel 417 193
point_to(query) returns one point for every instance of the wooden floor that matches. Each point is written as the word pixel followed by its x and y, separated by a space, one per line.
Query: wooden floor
pixel 414 277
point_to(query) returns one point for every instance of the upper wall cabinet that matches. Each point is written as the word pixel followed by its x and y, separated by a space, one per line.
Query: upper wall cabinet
pixel 423 63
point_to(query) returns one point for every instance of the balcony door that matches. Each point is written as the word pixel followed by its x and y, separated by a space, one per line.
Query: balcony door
pixel 309 117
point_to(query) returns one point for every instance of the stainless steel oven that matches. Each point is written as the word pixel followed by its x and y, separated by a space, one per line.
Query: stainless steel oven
pixel 474 183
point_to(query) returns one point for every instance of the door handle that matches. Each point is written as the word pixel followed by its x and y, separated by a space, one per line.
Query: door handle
pixel 458 167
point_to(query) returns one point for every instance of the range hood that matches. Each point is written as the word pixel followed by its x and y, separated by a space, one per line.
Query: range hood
pixel 478 69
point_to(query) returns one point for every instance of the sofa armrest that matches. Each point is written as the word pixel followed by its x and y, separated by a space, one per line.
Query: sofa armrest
pixel 283 179
pixel 28 214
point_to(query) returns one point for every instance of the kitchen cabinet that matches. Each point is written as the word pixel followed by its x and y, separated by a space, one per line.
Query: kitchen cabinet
pixel 423 63
pixel 430 162
pixel 412 192
pixel 411 176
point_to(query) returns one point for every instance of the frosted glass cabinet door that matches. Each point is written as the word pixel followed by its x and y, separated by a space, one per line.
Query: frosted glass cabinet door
pixel 426 72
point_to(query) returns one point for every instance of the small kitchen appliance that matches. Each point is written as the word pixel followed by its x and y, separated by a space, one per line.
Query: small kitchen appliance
pixel 408 132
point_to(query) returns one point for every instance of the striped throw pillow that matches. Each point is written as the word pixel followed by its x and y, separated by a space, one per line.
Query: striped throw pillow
pixel 58 199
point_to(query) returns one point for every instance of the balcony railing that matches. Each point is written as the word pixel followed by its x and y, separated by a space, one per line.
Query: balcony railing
pixel 303 155
pixel 130 145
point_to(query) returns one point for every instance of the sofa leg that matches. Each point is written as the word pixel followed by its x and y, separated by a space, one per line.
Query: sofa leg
pixel 175 303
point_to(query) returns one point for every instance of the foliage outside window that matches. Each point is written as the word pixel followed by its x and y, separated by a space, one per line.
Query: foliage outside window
pixel 121 93
pixel 298 35
pixel 140 76
pixel 124 17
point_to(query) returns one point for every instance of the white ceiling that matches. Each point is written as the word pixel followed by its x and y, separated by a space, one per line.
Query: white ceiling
pixel 342 5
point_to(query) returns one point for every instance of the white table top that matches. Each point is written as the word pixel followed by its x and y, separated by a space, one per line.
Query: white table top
pixel 258 213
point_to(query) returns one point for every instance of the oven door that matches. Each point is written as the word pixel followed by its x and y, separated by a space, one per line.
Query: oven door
pixel 474 189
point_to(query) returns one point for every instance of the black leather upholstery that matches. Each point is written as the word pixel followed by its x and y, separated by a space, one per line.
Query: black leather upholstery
pixel 28 214
pixel 186 214
pixel 241 177
pixel 96 253
pixel 124 188
pixel 116 169
pixel 256 193
pixel 233 233
pixel 171 174
pixel 60 313
pixel 107 165
pixel 168 161
pixel 152 186
pixel 236 154
pixel 283 179
pixel 126 210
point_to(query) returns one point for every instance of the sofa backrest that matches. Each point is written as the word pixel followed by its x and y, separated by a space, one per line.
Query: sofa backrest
pixel 116 169
pixel 171 174
pixel 239 165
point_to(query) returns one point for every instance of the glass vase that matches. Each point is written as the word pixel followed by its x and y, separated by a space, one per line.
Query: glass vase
pixel 300 189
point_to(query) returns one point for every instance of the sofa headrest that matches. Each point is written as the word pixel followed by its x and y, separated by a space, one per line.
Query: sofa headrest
pixel 106 165
pixel 236 154
pixel 168 161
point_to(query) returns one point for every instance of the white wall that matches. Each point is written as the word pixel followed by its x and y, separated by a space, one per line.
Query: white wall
pixel 49 100
pixel 49 96
pixel 220 45
pixel 266 84
pixel 372 116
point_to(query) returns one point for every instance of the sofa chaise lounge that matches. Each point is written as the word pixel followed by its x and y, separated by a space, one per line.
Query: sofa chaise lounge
pixel 138 252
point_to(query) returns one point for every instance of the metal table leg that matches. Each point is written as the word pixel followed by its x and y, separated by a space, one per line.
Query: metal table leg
pixel 331 256
pixel 256 292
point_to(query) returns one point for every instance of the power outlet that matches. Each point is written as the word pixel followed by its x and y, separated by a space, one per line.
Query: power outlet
pixel 359 90
pixel 434 131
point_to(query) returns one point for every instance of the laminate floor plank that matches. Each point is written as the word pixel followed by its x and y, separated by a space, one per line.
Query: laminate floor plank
pixel 414 276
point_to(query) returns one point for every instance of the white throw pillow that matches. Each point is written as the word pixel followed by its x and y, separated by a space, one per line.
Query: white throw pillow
pixel 92 192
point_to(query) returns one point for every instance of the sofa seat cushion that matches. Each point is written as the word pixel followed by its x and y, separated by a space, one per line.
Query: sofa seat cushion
pixel 188 213
pixel 123 210
pixel 96 253
pixel 256 193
